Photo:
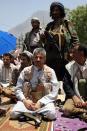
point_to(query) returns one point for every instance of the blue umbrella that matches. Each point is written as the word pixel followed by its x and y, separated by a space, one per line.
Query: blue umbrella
pixel 7 42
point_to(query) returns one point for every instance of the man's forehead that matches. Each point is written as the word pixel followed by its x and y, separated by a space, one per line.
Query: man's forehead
pixel 6 56
pixel 39 54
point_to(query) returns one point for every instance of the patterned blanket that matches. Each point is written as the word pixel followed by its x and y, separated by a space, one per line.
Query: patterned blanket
pixel 68 124
pixel 61 124
pixel 14 125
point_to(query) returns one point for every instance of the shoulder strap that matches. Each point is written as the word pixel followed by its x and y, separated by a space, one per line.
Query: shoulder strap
pixel 67 26
pixel 49 26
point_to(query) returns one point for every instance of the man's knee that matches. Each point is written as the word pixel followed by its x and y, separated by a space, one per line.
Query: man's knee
pixel 51 115
pixel 67 110
pixel 14 115
pixel 68 107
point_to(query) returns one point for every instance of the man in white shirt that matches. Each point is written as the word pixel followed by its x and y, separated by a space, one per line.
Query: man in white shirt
pixel 6 69
pixel 25 60
pixel 42 87
pixel 76 92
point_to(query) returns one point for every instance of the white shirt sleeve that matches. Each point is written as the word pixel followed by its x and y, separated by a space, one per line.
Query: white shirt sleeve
pixel 18 88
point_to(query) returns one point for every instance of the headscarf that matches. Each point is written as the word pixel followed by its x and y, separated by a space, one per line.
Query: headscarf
pixel 60 6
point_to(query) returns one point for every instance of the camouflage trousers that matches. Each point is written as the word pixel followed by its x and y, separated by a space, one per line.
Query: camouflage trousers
pixel 70 109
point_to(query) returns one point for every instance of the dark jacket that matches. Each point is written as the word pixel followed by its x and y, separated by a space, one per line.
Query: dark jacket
pixel 68 85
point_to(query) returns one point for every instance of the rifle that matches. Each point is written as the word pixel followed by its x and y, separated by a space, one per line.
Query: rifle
pixel 52 42
pixel 37 118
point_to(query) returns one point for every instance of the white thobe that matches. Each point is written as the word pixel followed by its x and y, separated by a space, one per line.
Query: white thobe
pixel 46 100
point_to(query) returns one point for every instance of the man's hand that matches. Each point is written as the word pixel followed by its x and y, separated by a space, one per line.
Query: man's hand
pixel 37 105
pixel 77 101
pixel 29 104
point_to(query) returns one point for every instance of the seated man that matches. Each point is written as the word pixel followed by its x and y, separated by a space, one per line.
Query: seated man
pixel 37 87
pixel 76 85
pixel 6 69
pixel 25 60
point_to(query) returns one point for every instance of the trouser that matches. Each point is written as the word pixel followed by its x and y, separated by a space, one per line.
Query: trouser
pixel 70 109
pixel 48 110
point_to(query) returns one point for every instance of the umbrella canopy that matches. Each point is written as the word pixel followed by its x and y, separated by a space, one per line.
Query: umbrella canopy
pixel 7 42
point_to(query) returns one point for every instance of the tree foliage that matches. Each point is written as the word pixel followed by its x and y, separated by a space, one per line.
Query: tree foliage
pixel 79 17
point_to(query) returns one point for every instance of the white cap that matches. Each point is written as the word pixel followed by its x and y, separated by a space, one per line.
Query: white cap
pixel 35 19
pixel 29 54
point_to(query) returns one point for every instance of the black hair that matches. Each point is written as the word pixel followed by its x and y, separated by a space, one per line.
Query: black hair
pixel 7 54
pixel 83 48
pixel 60 6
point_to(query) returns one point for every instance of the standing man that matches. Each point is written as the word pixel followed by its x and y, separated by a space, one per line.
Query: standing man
pixel 41 89
pixel 32 38
pixel 61 36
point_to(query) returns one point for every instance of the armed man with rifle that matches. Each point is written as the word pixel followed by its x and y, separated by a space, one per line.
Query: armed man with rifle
pixel 32 38
pixel 60 36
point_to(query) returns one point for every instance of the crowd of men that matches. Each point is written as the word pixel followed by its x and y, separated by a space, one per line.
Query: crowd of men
pixel 50 55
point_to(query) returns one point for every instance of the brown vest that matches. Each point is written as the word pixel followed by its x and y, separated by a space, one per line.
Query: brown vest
pixel 41 89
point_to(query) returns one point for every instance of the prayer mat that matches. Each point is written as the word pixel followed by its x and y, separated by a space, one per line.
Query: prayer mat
pixel 15 125
pixel 68 124
pixel 6 105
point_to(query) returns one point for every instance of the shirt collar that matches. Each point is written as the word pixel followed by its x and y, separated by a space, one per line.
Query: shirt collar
pixel 36 69
pixel 83 67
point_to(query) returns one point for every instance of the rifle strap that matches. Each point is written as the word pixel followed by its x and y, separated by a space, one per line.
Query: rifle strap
pixel 67 26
